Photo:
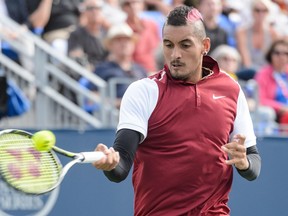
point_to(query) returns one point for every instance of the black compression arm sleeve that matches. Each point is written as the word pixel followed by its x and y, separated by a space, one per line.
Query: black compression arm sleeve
pixel 254 164
pixel 126 144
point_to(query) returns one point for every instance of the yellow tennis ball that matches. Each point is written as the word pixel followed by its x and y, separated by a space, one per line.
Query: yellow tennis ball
pixel 44 140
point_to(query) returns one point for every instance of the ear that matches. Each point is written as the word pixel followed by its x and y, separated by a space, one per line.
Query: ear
pixel 206 45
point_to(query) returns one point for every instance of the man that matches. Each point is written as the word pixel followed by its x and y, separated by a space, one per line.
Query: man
pixel 183 128
pixel 85 43
pixel 120 42
pixel 211 11
pixel 31 15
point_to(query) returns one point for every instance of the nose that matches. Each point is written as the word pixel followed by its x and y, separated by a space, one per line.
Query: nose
pixel 176 53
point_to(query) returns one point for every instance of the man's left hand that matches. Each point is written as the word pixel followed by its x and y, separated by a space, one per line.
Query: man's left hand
pixel 236 151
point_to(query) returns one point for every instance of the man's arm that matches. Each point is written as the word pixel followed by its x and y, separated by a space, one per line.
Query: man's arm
pixel 254 168
pixel 41 15
pixel 126 144
pixel 246 161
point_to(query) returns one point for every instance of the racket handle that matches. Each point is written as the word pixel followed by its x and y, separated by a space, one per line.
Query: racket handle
pixel 90 157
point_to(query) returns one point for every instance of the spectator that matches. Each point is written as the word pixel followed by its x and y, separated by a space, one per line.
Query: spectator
pixel 283 5
pixel 228 59
pixel 211 10
pixel 53 19
pixel 63 20
pixel 15 10
pixel 253 40
pixel 120 43
pixel 157 11
pixel 279 18
pixel 39 11
pixel 113 7
pixel 146 31
pixel 85 44
pixel 272 80
pixel 230 19
pixel 31 15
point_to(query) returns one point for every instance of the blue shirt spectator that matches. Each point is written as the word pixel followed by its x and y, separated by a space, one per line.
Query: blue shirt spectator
pixel 110 69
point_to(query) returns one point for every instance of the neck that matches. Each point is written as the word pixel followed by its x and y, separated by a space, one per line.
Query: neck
pixel 258 27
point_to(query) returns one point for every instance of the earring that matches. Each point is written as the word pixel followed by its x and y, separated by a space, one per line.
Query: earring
pixel 205 53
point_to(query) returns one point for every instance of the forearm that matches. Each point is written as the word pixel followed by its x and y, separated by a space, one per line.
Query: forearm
pixel 126 144
pixel 254 168
pixel 41 15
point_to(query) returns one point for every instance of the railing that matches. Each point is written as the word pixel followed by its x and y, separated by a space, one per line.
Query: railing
pixel 51 84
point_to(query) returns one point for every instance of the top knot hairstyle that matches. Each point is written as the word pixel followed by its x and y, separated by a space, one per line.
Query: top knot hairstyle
pixel 185 15
pixel 182 15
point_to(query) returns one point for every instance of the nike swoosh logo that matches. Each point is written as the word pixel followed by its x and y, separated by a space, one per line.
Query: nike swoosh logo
pixel 218 97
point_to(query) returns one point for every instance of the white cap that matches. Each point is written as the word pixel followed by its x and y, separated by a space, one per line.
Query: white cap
pixel 119 30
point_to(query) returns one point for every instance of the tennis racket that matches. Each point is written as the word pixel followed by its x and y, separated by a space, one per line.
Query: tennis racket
pixel 31 171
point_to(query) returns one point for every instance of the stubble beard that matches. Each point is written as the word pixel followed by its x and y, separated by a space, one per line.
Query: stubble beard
pixel 180 75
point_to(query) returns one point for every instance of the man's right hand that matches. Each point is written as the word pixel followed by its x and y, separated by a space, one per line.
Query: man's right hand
pixel 109 162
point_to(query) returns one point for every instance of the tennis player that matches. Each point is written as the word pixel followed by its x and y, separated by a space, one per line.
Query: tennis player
pixel 184 129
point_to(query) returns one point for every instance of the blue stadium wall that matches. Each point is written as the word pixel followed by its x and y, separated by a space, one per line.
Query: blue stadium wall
pixel 86 192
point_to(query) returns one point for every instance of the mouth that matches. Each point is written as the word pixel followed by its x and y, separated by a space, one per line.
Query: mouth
pixel 176 65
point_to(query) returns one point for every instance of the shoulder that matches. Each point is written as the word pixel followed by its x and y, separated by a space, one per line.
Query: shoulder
pixel 140 70
pixel 106 67
pixel 137 105
pixel 142 91
pixel 145 85
pixel 265 71
pixel 79 31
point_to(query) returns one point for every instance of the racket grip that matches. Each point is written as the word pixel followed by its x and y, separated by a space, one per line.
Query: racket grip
pixel 90 157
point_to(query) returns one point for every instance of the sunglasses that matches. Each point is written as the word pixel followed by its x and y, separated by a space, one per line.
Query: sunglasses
pixel 278 53
pixel 91 8
pixel 259 10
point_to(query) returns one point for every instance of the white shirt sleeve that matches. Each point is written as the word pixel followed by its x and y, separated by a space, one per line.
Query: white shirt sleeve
pixel 243 122
pixel 137 105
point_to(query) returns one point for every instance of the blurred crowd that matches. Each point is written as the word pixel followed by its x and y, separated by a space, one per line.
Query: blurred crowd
pixel 122 38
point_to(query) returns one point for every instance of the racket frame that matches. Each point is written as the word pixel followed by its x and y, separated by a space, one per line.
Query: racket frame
pixel 82 157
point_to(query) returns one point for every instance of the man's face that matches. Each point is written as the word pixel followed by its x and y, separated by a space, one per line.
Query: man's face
pixel 182 52
pixel 210 8
pixel 93 12
pixel 122 46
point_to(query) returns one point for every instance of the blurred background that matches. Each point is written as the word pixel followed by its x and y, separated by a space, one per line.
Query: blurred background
pixel 65 64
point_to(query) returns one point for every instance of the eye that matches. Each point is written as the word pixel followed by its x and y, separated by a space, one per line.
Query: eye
pixel 185 45
pixel 168 45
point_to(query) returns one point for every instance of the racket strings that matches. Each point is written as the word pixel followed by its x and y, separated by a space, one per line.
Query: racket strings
pixel 24 167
